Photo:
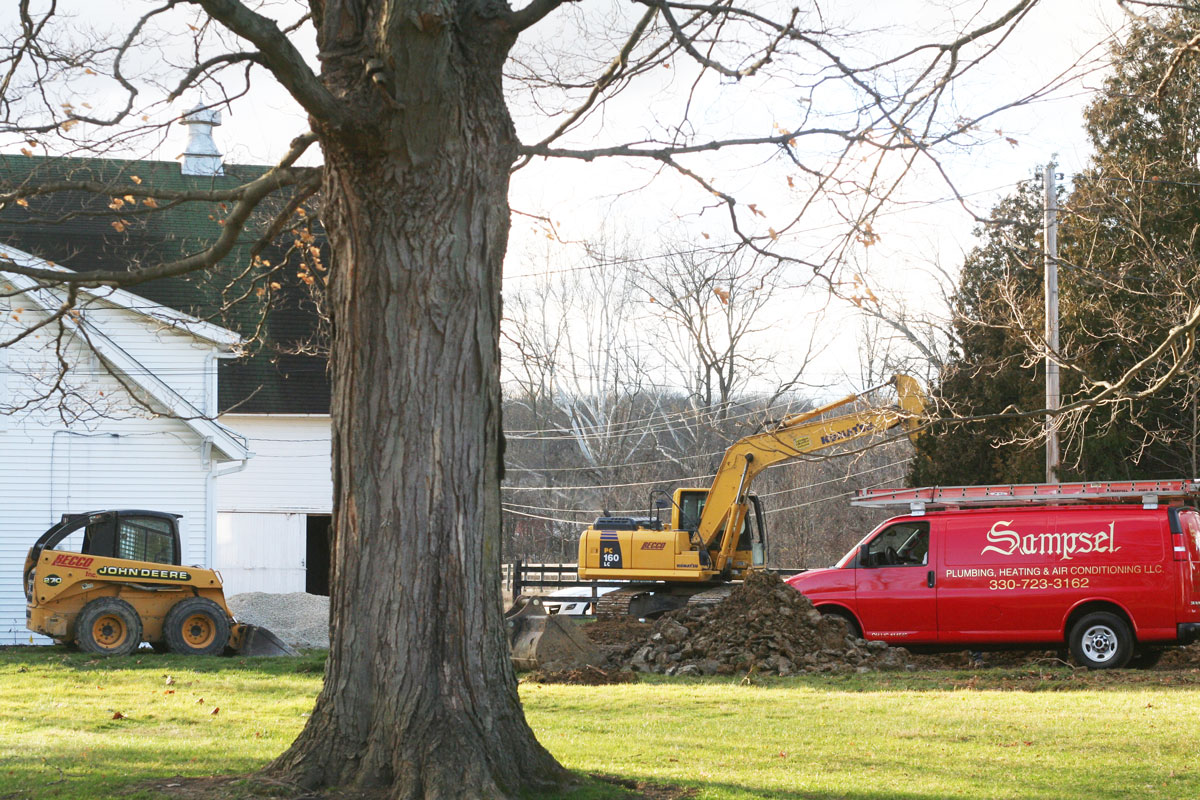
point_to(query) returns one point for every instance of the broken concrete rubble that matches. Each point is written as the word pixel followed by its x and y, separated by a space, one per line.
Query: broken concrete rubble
pixel 763 626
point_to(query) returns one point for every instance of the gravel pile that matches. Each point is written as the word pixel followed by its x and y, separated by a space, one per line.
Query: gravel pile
pixel 764 626
pixel 301 620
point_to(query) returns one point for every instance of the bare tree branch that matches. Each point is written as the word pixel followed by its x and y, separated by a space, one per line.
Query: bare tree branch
pixel 281 55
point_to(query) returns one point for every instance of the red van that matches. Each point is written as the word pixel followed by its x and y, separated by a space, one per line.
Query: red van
pixel 1110 569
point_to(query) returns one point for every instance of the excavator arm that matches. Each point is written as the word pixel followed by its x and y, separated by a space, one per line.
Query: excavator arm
pixel 796 435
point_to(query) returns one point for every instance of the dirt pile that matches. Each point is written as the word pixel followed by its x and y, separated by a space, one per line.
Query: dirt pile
pixel 618 632
pixel 1181 657
pixel 584 676
pixel 763 626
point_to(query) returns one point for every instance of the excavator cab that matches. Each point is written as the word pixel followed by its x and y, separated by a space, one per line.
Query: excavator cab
pixel 751 542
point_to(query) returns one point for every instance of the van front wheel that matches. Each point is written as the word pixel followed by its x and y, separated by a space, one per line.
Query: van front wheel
pixel 1101 641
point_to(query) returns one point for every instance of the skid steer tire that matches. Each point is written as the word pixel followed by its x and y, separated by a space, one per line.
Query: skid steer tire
pixel 108 626
pixel 196 627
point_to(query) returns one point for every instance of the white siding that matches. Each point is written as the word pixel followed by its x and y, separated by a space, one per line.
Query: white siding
pixel 7 331
pixel 290 470
pixel 46 472
pixel 105 453
pixel 175 357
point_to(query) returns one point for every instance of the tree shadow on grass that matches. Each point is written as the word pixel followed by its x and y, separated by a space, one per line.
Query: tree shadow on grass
pixel 256 787
pixel 643 789
pixel 145 659
pixel 597 786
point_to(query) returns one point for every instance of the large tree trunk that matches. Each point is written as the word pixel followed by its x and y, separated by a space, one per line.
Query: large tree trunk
pixel 419 692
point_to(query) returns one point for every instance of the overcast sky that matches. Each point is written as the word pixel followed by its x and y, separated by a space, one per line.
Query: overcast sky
pixel 584 199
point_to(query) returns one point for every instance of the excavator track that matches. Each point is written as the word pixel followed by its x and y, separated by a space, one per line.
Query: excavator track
pixel 615 604
pixel 650 600
pixel 710 597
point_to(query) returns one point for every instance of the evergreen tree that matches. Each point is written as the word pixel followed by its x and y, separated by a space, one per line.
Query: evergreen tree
pixel 990 369
pixel 1127 274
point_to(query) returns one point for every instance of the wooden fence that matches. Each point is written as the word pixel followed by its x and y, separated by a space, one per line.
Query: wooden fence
pixel 519 578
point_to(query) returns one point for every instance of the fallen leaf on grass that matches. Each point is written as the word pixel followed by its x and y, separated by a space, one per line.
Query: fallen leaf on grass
pixel 118 715
pixel 215 711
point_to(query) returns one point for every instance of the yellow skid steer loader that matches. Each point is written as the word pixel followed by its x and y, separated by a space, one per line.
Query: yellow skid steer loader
pixel 106 581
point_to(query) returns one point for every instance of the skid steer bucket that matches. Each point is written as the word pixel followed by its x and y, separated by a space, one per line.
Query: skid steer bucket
pixel 251 640
pixel 537 639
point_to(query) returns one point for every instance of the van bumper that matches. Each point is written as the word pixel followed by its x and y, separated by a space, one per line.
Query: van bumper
pixel 1188 632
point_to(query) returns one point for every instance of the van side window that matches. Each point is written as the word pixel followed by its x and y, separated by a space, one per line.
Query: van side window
pixel 905 544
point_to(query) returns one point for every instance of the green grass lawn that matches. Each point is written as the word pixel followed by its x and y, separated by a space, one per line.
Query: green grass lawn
pixel 1015 733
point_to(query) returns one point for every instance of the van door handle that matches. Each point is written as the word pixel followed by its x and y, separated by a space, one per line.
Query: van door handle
pixel 929 579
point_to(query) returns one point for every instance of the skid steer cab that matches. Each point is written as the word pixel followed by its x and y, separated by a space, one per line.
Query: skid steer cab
pixel 106 581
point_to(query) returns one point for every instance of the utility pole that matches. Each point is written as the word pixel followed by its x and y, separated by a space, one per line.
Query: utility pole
pixel 1051 259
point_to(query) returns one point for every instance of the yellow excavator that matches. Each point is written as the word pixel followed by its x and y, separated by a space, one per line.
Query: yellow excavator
pixel 714 535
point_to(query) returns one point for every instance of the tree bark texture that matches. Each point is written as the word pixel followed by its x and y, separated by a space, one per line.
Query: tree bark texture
pixel 419 693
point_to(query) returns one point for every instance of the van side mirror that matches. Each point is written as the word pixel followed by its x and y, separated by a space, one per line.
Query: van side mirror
pixel 864 556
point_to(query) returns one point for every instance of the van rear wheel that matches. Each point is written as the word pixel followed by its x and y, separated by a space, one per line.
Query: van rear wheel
pixel 1101 640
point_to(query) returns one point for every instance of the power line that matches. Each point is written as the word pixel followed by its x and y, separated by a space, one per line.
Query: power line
pixel 902 462
pixel 707 477
pixel 594 511
pixel 720 247
pixel 692 412
pixel 651 426
pixel 576 523
pixel 646 425
pixel 624 465
pixel 824 499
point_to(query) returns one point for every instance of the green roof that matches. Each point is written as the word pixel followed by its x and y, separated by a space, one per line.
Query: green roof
pixel 110 229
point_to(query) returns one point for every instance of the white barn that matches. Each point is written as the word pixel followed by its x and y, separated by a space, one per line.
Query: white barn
pixel 142 424
pixel 128 422
pixel 273 517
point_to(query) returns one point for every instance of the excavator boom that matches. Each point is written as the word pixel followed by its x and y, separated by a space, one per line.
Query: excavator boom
pixel 794 437
pixel 711 549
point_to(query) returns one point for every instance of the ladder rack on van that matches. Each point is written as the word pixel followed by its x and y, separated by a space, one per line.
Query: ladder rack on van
pixel 1149 493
